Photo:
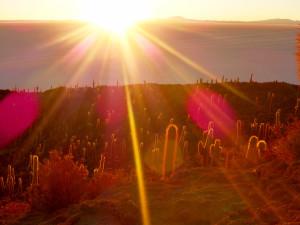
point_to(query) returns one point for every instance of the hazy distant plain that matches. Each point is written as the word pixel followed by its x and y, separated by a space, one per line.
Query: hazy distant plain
pixel 30 56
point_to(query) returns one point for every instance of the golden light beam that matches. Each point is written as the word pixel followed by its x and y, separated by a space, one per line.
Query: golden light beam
pixel 189 62
pixel 71 37
pixel 256 189
pixel 135 143
pixel 174 52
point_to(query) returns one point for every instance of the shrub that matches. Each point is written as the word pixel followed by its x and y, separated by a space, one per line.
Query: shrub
pixel 287 147
pixel 61 183
pixel 101 181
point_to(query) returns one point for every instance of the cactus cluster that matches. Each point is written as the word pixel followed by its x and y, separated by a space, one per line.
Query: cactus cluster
pixel 8 187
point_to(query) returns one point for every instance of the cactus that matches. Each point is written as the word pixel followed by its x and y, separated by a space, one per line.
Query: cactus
pixel 182 136
pixel 269 97
pixel 155 157
pixel 188 119
pixel 271 102
pixel 70 150
pixel 142 134
pixel 251 78
pixel 2 185
pixel 35 170
pixel 141 146
pixel 84 152
pixel 215 152
pixel 123 152
pixel 20 189
pixel 10 185
pixel 261 132
pixel 267 132
pixel 101 164
pixel 9 170
pixel 201 152
pixel 252 154
pixel 210 125
pixel 166 147
pixel 88 151
pixel 185 150
pixel 277 122
pixel 254 127
pixel 261 147
pixel 96 172
pixel 204 137
pixel 208 142
pixel 238 135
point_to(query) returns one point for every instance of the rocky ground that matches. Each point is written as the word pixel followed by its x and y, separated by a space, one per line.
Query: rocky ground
pixel 268 194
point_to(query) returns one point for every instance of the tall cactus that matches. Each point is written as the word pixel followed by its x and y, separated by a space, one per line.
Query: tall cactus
pixel 261 132
pixel 277 122
pixel 261 147
pixel 238 135
pixel 2 185
pixel 20 188
pixel 185 150
pixel 208 143
pixel 35 170
pixel 215 152
pixel 166 147
pixel 252 154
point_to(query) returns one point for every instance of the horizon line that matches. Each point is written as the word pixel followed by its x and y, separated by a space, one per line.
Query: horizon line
pixel 149 19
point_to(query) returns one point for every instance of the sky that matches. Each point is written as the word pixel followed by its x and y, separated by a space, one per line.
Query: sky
pixel 230 10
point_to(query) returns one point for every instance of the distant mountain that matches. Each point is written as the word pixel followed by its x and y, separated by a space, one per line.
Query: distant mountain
pixel 270 21
pixel 278 21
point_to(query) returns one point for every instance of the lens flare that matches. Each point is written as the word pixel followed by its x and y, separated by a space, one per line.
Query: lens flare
pixel 205 106
pixel 112 105
pixel 17 112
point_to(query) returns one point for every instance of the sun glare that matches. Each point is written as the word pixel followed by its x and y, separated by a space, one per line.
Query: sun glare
pixel 114 15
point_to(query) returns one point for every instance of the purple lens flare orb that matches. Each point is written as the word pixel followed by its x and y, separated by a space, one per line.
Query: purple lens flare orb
pixel 204 106
pixel 17 112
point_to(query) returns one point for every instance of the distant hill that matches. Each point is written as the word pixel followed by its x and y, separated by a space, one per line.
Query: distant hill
pixel 269 21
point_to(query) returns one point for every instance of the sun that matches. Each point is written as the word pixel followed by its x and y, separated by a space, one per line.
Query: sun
pixel 114 15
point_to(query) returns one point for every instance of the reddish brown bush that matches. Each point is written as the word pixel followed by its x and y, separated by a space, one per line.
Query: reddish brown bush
pixel 287 147
pixel 102 181
pixel 61 183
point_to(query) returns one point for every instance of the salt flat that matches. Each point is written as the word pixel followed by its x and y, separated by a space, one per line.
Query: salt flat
pixel 49 53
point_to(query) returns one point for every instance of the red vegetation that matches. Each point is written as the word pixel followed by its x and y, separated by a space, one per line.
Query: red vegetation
pixel 11 211
pixel 61 183
pixel 100 182
pixel 287 147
